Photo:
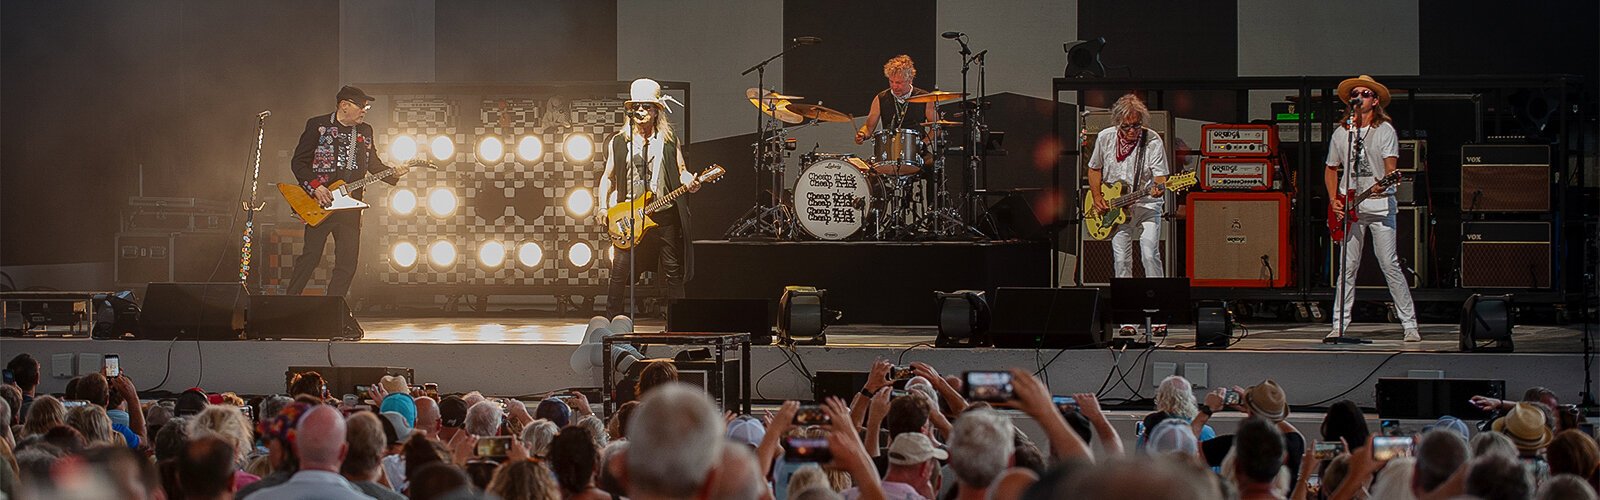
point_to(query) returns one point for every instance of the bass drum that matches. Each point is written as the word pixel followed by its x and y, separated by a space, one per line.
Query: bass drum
pixel 831 199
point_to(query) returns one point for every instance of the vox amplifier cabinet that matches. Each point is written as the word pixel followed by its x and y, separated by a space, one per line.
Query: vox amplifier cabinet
pixel 1238 239
pixel 1413 156
pixel 1505 255
pixel 1226 139
pixel 1236 174
pixel 1505 178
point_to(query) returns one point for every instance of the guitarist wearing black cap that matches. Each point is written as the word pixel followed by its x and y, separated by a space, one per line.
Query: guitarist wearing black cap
pixel 335 147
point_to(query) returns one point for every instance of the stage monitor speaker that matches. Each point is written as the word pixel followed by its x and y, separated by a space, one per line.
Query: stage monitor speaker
pixel 116 316
pixel 752 316
pixel 1012 218
pixel 301 317
pixel 1505 255
pixel 1047 318
pixel 1431 398
pixel 1213 326
pixel 1486 324
pixel 1411 238
pixel 1238 239
pixel 193 311
pixel 1505 178
pixel 343 380
pixel 841 384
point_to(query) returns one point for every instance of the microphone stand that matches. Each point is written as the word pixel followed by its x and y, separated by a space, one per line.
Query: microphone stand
pixel 1354 146
pixel 251 206
pixel 753 220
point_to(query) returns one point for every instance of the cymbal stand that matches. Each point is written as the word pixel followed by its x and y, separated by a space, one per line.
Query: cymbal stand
pixel 769 218
pixel 943 218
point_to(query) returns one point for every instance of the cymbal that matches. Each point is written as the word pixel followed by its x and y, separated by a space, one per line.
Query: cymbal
pixel 779 104
pixel 818 112
pixel 936 96
pixel 941 123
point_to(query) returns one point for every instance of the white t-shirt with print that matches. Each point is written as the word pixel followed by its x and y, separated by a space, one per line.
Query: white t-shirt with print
pixel 1104 159
pixel 1377 143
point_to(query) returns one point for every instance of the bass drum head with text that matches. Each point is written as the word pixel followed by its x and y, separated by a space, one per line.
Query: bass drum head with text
pixel 830 199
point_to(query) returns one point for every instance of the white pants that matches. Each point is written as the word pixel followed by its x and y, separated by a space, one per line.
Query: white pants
pixel 1145 224
pixel 1383 247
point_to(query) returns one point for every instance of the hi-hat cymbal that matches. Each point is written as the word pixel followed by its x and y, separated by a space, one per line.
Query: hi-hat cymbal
pixel 936 96
pixel 773 104
pixel 941 123
pixel 818 112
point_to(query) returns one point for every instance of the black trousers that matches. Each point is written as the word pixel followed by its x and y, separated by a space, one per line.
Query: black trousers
pixel 665 241
pixel 345 226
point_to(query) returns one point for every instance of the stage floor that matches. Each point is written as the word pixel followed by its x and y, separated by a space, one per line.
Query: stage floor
pixel 531 329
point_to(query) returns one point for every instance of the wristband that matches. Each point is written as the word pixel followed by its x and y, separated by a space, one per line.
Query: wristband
pixel 867 393
pixel 1207 410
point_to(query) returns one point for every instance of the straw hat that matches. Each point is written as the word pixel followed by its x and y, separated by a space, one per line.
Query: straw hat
pixel 1524 424
pixel 1267 400
pixel 1368 82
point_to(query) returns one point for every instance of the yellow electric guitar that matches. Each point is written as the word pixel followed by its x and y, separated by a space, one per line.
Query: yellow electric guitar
pixel 306 207
pixel 1099 224
pixel 627 222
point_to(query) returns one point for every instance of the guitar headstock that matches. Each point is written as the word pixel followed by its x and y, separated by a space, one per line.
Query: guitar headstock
pixel 1181 182
pixel 711 174
pixel 421 162
pixel 1391 179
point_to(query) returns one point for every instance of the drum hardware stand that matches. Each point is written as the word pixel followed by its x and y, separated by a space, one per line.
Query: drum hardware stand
pixel 769 218
pixel 975 127
pixel 943 221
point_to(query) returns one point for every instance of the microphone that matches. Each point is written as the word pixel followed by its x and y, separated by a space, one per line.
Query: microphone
pixel 806 40
pixel 953 34
pixel 264 113
pixel 1355 102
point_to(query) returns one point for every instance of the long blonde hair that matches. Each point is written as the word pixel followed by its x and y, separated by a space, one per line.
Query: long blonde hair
pixel 662 124
pixel 1175 396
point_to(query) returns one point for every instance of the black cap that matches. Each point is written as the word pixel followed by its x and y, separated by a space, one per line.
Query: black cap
pixel 452 411
pixel 356 95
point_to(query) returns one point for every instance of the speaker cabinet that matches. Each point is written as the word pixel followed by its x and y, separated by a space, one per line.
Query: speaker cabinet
pixel 1047 318
pixel 1096 266
pixel 1429 399
pixel 1238 240
pixel 1213 326
pixel 193 311
pixel 301 317
pixel 752 316
pixel 1411 246
pixel 1505 178
pixel 1486 324
pixel 1505 255
pixel 144 257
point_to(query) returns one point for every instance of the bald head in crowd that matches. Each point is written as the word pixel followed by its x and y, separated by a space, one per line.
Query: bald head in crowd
pixel 428 416
pixel 319 439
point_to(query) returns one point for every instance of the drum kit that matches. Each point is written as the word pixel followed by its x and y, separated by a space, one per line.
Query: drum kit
pixel 897 194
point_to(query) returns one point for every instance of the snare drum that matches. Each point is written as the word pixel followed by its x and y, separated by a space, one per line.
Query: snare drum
pixel 897 152
pixel 831 199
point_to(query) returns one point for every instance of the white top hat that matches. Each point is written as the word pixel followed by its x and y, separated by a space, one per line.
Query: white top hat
pixel 647 90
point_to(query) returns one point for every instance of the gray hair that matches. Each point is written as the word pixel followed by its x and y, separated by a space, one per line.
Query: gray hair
pixel 806 477
pixel 272 405
pixel 483 419
pixel 1130 105
pixel 1493 443
pixel 1567 487
pixel 537 436
pixel 1176 397
pixel 5 420
pixel 1439 453
pixel 677 439
pixel 597 430
pixel 980 447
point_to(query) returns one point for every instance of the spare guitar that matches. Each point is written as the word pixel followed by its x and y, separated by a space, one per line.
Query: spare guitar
pixel 1352 201
pixel 627 222
pixel 306 207
pixel 1100 225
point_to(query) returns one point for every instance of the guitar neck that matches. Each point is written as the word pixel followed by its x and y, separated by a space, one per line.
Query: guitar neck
pixel 352 186
pixel 656 205
pixel 1133 197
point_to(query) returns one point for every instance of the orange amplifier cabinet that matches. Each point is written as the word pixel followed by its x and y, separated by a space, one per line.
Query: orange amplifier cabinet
pixel 1236 174
pixel 1238 240
pixel 1226 139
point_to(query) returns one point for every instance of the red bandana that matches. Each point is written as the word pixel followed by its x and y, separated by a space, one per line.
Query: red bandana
pixel 1125 148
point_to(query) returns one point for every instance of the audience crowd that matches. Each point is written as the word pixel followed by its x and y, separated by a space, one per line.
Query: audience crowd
pixel 909 433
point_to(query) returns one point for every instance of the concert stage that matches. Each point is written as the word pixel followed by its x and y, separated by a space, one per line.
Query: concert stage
pixel 529 354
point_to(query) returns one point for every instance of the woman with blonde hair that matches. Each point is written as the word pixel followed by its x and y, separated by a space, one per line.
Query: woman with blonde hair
pixel 45 413
pixel 94 424
pixel 1175 399
pixel 228 423
pixel 524 480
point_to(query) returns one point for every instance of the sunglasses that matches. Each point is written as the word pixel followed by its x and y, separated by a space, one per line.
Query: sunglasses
pixel 1362 93
pixel 641 107
pixel 364 107
pixel 1129 126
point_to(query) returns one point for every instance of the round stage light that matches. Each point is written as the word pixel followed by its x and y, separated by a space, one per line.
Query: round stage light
pixel 530 149
pixel 491 151
pixel 403 148
pixel 403 255
pixel 580 254
pixel 442 148
pixel 580 202
pixel 442 254
pixel 492 254
pixel 442 202
pixel 403 201
pixel 578 148
pixel 529 254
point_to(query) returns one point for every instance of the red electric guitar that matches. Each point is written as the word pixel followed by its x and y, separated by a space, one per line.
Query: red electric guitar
pixel 1352 201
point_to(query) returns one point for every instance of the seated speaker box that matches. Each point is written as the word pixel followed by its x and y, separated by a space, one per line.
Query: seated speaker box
pixel 752 316
pixel 193 311
pixel 1047 318
pixel 1429 399
pixel 1213 326
pixel 1486 324
pixel 301 317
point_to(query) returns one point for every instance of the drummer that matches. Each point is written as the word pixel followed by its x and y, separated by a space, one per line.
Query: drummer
pixel 890 108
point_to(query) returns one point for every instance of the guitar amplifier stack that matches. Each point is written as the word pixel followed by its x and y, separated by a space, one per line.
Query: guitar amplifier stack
pixel 174 239
pixel 1509 187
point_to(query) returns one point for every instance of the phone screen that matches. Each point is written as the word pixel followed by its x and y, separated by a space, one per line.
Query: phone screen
pixel 993 387
pixel 806 449
pixel 493 447
pixel 812 415
pixel 1390 427
pixel 112 366
pixel 1326 450
pixel 1391 447
pixel 1232 397
pixel 1065 404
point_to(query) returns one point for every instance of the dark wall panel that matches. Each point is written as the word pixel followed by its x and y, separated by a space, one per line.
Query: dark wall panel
pixel 1484 37
pixel 1167 39
pixel 95 90
pixel 550 40
pixel 846 69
